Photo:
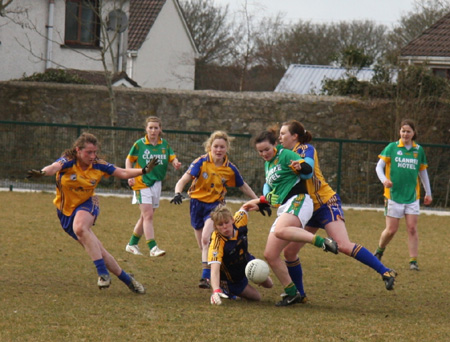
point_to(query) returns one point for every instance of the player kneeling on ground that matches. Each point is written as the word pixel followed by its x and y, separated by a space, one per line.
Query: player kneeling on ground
pixel 228 254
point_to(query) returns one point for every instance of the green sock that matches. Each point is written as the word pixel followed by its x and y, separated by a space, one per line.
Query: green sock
pixel 134 239
pixel 151 243
pixel 413 261
pixel 380 250
pixel 291 290
pixel 318 241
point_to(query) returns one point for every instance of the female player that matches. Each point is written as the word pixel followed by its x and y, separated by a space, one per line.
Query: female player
pixel 328 213
pixel 211 174
pixel 404 162
pixel 78 172
pixel 285 189
pixel 147 188
pixel 228 254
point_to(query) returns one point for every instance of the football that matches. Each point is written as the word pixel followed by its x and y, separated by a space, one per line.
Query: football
pixel 257 271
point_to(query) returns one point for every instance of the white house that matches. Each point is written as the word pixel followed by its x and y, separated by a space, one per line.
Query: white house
pixel 72 34
pixel 431 48
pixel 161 52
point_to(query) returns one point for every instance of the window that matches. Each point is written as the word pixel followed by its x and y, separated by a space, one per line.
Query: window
pixel 445 73
pixel 82 23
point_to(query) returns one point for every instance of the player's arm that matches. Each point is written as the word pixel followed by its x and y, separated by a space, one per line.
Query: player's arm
pixel 48 170
pixel 131 173
pixel 423 174
pixel 258 204
pixel 178 198
pixel 217 293
pixel 129 165
pixel 247 190
pixel 176 164
pixel 381 175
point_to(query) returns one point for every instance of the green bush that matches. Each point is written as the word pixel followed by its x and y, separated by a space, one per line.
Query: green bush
pixel 55 76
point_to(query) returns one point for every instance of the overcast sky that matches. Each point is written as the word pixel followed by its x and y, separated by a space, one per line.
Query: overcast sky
pixel 386 12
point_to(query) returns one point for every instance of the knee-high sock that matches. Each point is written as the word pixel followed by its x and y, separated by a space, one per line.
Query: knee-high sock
pixel 296 273
pixel 361 254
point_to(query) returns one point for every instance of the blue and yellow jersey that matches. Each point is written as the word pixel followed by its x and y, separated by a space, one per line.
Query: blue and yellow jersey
pixel 142 152
pixel 209 181
pixel 75 186
pixel 402 168
pixel 231 253
pixel 319 190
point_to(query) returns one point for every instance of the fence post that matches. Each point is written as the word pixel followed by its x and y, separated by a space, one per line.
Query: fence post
pixel 339 168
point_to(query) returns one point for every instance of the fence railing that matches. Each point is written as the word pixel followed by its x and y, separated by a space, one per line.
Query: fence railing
pixel 348 165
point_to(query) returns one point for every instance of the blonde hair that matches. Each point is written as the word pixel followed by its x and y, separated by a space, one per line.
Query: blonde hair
pixel 217 135
pixel 220 214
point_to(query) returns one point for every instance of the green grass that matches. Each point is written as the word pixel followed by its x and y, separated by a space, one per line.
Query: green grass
pixel 48 286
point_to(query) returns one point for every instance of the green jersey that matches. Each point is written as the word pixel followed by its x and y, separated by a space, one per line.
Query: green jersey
pixel 142 152
pixel 280 177
pixel 402 169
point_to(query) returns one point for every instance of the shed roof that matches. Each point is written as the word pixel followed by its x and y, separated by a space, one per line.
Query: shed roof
pixel 433 42
pixel 307 79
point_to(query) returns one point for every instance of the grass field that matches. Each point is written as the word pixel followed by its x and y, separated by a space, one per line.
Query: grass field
pixel 48 284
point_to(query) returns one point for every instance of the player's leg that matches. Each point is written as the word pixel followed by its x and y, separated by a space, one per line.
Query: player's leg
pixel 293 264
pixel 413 240
pixel 138 231
pixel 207 230
pixel 387 235
pixel 114 267
pixel 250 293
pixel 274 247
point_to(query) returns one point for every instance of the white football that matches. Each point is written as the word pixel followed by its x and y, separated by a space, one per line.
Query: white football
pixel 257 271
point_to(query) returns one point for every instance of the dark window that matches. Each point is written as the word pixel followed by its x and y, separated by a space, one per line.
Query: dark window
pixel 82 22
pixel 445 73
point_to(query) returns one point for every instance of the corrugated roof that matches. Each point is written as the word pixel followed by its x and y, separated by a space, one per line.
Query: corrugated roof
pixel 143 14
pixel 433 42
pixel 307 79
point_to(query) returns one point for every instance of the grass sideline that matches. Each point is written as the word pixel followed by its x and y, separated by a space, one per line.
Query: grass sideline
pixel 48 284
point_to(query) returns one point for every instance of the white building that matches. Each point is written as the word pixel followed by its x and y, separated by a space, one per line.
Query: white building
pixel 72 34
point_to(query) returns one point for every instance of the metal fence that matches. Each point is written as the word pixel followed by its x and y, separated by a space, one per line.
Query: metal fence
pixel 348 165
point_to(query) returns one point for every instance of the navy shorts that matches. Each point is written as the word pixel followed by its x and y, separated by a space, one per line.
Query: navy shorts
pixel 200 212
pixel 67 221
pixel 328 212
pixel 237 287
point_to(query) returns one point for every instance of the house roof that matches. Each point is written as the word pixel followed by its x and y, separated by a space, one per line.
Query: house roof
pixel 143 14
pixel 307 79
pixel 433 42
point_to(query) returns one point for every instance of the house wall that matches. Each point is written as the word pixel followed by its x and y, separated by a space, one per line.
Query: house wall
pixel 166 58
pixel 23 40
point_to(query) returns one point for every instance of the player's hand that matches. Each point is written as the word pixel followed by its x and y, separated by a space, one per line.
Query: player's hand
pixel 150 165
pixel 177 199
pixel 216 297
pixel 272 198
pixel 264 207
pixel 33 173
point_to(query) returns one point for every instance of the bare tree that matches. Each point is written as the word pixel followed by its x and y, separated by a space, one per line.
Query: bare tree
pixel 3 5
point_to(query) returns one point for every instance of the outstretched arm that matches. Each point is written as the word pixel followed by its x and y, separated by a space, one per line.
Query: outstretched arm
pixel 48 170
pixel 247 190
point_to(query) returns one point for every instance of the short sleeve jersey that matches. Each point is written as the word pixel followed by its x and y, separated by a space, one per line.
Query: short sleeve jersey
pixel 74 186
pixel 231 253
pixel 318 188
pixel 402 169
pixel 279 175
pixel 210 182
pixel 142 152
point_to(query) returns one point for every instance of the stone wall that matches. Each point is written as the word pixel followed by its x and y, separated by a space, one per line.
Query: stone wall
pixel 326 117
